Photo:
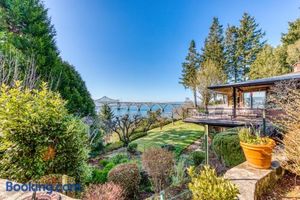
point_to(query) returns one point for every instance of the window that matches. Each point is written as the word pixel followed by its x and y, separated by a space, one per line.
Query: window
pixel 254 99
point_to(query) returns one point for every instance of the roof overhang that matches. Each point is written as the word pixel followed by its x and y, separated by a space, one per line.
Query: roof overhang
pixel 255 84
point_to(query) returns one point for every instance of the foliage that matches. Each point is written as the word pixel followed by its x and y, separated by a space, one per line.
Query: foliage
pixel 249 44
pixel 214 46
pixel 293 33
pixel 293 53
pixel 128 177
pixel 119 158
pixel 179 173
pixel 113 146
pixel 132 147
pixel 227 146
pixel 268 63
pixel 230 47
pixel 100 176
pixel 151 119
pixel 189 70
pixel 106 115
pixel 158 163
pixel 43 138
pixel 107 191
pixel 209 74
pixel 125 126
pixel 198 157
pixel 207 185
pixel 286 97
pixel 249 136
pixel 26 30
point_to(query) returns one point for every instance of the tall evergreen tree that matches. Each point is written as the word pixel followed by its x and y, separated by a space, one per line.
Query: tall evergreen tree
pixel 106 116
pixel 230 45
pixel 293 33
pixel 26 26
pixel 189 70
pixel 214 45
pixel 249 44
pixel 268 63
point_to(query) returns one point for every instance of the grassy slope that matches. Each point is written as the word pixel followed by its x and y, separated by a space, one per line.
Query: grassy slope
pixel 180 135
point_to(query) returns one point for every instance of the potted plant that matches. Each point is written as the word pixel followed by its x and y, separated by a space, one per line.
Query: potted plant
pixel 257 149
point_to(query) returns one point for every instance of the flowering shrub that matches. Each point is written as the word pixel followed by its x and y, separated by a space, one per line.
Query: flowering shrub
pixel 158 163
pixel 108 191
pixel 207 185
pixel 128 177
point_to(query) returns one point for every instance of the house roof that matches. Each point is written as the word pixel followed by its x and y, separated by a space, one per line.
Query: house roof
pixel 258 82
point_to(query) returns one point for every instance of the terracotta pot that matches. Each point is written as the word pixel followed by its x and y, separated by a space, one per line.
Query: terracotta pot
pixel 258 155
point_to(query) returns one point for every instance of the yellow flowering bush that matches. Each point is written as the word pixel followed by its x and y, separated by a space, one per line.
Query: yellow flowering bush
pixel 208 186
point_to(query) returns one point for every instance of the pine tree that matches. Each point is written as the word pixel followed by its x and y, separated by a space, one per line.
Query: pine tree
pixel 189 70
pixel 293 33
pixel 231 65
pixel 268 63
pixel 106 116
pixel 249 44
pixel 214 45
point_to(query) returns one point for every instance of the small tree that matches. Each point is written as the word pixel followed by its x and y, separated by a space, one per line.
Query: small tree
pixel 189 70
pixel 152 118
pixel 209 74
pixel 125 126
pixel 106 115
pixel 158 163
pixel 285 97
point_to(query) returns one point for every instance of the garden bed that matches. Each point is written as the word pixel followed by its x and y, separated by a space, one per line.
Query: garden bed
pixel 288 187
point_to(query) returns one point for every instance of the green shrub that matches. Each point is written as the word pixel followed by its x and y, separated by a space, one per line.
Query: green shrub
pixel 198 157
pixel 100 176
pixel 207 186
pixel 113 146
pixel 227 147
pixel 128 177
pixel 132 147
pixel 119 158
pixel 249 136
pixel 179 173
pixel 103 162
pixel 42 136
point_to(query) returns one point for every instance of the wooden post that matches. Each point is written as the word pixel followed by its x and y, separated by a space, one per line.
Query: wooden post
pixel 206 145
pixel 234 102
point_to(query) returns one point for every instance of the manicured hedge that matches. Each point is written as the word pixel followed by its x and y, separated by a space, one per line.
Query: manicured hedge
pixel 227 147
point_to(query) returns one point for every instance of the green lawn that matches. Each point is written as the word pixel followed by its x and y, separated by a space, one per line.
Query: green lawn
pixel 180 135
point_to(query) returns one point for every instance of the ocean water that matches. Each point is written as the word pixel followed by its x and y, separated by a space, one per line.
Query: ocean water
pixel 118 111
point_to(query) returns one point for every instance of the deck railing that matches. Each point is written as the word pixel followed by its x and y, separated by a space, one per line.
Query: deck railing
pixel 226 113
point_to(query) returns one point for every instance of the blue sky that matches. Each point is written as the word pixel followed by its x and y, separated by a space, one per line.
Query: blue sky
pixel 133 49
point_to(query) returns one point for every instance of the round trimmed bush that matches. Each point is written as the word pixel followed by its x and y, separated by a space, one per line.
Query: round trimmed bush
pixel 108 191
pixel 227 147
pixel 128 177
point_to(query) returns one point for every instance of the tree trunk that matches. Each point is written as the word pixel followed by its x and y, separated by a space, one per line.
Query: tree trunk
pixel 195 98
